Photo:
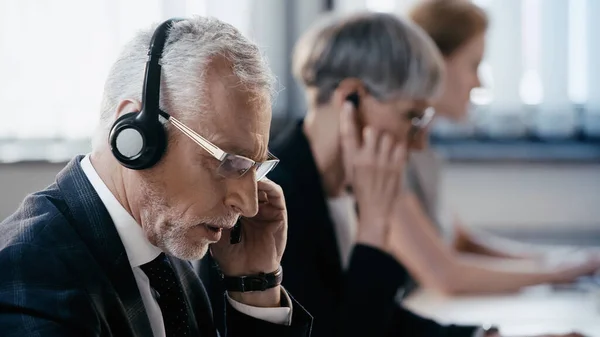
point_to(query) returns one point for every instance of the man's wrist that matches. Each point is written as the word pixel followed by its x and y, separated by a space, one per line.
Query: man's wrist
pixel 256 282
pixel 269 298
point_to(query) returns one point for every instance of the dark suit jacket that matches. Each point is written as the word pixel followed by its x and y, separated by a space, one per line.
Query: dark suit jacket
pixel 64 272
pixel 359 301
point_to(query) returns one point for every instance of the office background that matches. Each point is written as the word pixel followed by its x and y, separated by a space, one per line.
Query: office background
pixel 527 163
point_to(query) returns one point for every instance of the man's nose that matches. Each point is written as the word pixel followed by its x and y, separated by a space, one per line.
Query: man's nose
pixel 242 195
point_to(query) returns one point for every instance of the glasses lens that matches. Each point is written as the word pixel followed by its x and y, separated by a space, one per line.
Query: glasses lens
pixel 234 166
pixel 264 168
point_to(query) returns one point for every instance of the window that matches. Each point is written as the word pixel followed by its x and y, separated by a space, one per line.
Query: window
pixel 53 74
pixel 541 75
pixel 54 59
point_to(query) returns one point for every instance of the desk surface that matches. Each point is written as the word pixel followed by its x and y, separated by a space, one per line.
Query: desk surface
pixel 535 310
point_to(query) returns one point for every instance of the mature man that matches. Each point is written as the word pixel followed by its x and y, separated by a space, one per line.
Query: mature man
pixel 101 252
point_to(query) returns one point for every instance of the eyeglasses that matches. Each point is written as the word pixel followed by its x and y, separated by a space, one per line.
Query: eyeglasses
pixel 423 121
pixel 232 165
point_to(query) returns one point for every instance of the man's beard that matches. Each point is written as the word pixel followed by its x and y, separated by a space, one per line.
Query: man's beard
pixel 171 238
pixel 166 229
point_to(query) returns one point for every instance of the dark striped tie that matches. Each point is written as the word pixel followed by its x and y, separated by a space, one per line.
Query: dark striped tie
pixel 169 296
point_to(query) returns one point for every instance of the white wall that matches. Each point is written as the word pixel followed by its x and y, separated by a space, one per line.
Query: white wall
pixel 525 196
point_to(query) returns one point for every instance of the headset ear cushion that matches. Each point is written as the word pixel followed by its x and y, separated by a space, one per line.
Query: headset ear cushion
pixel 125 138
pixel 137 145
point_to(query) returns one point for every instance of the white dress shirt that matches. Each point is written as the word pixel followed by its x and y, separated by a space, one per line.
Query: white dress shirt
pixel 140 251
pixel 345 222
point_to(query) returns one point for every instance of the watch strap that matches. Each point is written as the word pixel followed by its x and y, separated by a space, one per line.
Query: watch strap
pixel 258 282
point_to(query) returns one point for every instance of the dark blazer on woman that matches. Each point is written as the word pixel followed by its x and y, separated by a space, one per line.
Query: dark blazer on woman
pixel 358 301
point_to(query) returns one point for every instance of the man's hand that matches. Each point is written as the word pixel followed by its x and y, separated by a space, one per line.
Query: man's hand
pixel 263 242
pixel 374 169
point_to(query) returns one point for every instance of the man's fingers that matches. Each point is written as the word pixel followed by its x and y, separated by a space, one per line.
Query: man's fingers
pixel 263 198
pixel 267 185
pixel 270 192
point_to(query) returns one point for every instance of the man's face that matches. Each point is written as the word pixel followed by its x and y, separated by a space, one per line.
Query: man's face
pixel 183 194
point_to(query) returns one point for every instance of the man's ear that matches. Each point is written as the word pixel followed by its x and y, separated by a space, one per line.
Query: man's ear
pixel 127 106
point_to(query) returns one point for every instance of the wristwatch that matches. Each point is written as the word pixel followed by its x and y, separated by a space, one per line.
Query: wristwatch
pixel 259 282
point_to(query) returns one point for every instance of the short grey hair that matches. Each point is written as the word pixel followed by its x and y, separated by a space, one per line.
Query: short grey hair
pixel 190 47
pixel 390 55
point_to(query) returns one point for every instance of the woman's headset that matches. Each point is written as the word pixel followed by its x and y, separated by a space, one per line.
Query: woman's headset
pixel 138 139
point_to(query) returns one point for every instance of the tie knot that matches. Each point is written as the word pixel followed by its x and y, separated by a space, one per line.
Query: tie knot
pixel 161 262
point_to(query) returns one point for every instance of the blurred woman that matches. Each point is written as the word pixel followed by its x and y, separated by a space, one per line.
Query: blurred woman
pixel 458 29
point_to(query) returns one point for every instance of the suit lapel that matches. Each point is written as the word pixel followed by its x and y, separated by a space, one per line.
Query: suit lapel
pixel 91 220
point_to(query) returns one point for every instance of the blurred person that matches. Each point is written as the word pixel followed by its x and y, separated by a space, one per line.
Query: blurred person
pixel 458 29
pixel 369 78
pixel 103 250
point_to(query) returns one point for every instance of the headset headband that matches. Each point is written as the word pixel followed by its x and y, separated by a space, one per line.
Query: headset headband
pixel 151 90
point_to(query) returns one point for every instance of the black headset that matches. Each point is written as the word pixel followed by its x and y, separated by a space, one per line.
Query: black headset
pixel 138 139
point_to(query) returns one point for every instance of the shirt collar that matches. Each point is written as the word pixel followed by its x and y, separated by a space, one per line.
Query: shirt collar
pixel 139 249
